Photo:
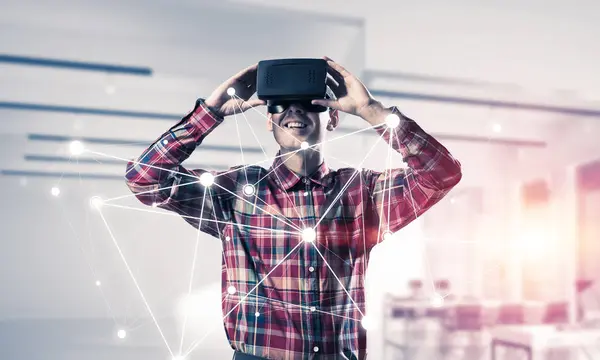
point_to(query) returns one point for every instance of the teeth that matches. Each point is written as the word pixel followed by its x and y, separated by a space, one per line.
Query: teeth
pixel 295 125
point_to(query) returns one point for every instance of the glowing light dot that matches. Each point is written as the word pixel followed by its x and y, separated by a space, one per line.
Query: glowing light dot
pixel 98 283
pixel 312 308
pixel 497 128
pixel 309 235
pixel 304 145
pixel 387 235
pixel 452 200
pixel 231 290
pixel 121 334
pixel 207 179
pixel 165 142
pixel 154 205
pixel 248 189
pixel 257 314
pixel 366 323
pixel 227 238
pixel 316 349
pixel 437 300
pixel 76 147
pixel 55 191
pixel 231 91
pixel 96 202
pixel 392 120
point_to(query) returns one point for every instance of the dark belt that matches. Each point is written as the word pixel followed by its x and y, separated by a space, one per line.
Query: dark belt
pixel 241 356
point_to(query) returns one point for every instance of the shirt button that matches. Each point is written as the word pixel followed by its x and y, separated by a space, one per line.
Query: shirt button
pixel 316 349
pixel 311 269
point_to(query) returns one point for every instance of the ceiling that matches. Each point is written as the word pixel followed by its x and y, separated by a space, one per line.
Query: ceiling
pixel 117 78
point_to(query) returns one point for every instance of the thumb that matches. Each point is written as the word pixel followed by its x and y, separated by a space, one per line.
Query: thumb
pixel 327 103
pixel 252 103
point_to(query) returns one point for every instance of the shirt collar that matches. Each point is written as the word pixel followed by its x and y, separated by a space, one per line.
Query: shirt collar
pixel 287 179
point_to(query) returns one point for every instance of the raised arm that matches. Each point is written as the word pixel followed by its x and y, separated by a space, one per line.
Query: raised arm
pixel 399 195
pixel 402 194
pixel 157 177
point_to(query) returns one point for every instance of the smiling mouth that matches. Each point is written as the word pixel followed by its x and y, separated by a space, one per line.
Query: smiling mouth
pixel 295 125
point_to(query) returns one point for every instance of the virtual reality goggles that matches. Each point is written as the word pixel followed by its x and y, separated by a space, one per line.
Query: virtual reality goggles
pixel 283 82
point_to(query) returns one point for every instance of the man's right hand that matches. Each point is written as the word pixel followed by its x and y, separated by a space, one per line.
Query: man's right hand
pixel 244 83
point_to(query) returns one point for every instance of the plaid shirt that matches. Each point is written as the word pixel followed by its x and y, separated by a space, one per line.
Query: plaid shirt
pixel 285 298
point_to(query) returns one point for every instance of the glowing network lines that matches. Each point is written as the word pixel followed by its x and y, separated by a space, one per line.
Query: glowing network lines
pixel 309 235
pixel 306 235
pixel 76 148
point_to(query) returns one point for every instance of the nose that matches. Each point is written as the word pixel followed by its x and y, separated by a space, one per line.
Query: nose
pixel 296 108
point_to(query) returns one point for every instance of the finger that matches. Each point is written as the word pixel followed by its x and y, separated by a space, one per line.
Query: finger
pixel 329 81
pixel 252 103
pixel 250 70
pixel 335 75
pixel 327 103
pixel 339 68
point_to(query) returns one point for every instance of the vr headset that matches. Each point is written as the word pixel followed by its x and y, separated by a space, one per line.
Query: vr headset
pixel 283 82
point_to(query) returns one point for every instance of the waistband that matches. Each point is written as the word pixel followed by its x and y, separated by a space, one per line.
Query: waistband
pixel 238 355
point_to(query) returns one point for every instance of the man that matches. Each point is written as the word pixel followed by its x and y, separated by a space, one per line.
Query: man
pixel 296 237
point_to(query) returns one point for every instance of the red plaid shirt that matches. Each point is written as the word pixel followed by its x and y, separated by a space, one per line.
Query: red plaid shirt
pixel 285 298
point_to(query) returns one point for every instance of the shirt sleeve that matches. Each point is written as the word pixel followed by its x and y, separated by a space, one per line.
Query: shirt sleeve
pixel 158 179
pixel 403 194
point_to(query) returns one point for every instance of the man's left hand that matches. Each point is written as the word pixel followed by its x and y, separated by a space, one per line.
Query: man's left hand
pixel 352 95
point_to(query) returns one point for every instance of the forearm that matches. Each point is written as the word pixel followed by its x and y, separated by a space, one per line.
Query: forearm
pixel 424 155
pixel 171 149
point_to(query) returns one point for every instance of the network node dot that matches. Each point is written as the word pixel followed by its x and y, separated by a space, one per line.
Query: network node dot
pixel 312 308
pixel 98 283
pixel 227 238
pixel 76 147
pixel 387 235
pixel 304 145
pixel 96 202
pixel 257 314
pixel 452 200
pixel 437 300
pixel 207 179
pixel 392 120
pixel 249 189
pixel 231 91
pixel 121 334
pixel 366 323
pixel 309 235
pixel 165 142
pixel 55 191
pixel 231 290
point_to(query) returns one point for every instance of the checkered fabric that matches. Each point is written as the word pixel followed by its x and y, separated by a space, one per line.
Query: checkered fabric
pixel 285 298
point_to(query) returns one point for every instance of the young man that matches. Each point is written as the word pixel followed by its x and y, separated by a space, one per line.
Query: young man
pixel 296 237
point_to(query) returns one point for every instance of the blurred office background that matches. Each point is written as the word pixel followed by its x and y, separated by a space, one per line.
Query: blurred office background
pixel 511 256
